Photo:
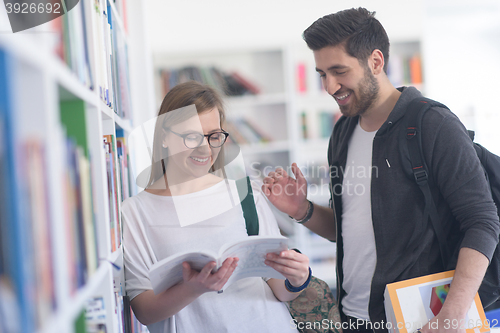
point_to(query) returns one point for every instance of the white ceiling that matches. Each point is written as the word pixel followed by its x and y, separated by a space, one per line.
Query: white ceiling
pixel 194 25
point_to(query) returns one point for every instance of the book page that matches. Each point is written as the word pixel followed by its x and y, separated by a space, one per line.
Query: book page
pixel 168 272
pixel 251 253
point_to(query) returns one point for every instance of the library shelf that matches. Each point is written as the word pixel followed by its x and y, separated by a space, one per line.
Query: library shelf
pixel 67 85
pixel 255 100
pixel 265 147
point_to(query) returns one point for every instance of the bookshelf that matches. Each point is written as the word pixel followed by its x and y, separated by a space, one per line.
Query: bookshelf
pixel 65 85
pixel 294 114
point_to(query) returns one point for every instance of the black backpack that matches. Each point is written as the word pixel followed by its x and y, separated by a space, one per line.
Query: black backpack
pixel 414 165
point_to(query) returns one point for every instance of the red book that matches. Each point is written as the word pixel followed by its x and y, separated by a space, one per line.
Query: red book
pixel 301 77
pixel 252 88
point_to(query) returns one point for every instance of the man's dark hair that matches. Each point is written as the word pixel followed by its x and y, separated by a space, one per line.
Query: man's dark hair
pixel 356 28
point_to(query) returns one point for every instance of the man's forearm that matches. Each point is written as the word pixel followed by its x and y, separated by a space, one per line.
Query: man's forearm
pixel 322 223
pixel 469 273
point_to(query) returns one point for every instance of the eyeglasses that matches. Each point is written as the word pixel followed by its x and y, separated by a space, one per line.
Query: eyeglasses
pixel 194 140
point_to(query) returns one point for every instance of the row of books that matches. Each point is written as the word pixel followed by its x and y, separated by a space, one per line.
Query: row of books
pixel 405 70
pixel 107 72
pixel 27 269
pixel 119 181
pixel 304 81
pixel 231 84
pixel 95 317
pixel 78 199
pixel 401 70
pixel 17 276
pixel 317 125
pixel 245 131
pixel 127 322
pixel 27 277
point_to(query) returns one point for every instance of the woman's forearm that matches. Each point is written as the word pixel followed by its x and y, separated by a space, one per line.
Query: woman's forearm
pixel 150 308
pixel 279 290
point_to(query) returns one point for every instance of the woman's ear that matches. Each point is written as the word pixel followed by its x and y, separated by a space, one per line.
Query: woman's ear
pixel 376 62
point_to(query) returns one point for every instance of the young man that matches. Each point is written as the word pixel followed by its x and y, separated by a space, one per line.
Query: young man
pixel 377 212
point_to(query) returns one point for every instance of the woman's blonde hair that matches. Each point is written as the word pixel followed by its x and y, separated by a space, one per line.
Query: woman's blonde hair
pixel 204 98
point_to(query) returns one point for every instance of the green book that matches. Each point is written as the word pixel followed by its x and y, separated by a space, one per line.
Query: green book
pixel 80 326
pixel 73 118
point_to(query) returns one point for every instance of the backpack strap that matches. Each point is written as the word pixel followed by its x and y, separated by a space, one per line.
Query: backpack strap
pixel 248 205
pixel 419 170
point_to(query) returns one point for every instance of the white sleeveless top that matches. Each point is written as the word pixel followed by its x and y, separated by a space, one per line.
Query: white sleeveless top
pixel 155 227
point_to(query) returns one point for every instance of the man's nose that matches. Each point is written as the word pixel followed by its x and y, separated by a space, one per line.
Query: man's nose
pixel 331 85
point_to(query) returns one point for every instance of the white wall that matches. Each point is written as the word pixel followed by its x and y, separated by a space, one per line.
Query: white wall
pixel 194 25
pixel 460 38
pixel 461 44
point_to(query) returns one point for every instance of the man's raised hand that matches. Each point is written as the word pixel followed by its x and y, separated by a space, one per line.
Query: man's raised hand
pixel 286 193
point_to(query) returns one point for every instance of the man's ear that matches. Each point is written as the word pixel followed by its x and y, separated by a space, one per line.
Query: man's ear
pixel 376 62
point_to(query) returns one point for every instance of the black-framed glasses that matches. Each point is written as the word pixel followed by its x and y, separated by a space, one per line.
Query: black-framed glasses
pixel 194 140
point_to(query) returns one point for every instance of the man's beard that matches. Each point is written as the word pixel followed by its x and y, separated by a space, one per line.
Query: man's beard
pixel 366 95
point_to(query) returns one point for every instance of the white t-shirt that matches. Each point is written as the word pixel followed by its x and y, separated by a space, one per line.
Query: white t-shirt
pixel 210 218
pixel 357 227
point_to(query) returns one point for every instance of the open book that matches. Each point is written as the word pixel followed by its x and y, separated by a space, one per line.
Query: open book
pixel 251 253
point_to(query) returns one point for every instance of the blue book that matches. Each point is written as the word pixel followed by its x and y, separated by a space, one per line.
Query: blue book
pixel 18 264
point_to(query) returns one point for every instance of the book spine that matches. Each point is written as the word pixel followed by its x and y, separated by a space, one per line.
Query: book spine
pixel 109 174
pixel 249 86
pixel 303 123
pixel 301 78
pixel 39 216
pixel 415 69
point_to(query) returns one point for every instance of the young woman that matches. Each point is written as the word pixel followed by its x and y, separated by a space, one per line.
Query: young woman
pixel 185 208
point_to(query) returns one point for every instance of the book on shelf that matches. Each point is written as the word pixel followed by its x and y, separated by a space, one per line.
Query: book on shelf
pixel 111 205
pixel 251 252
pixel 126 176
pixel 326 121
pixel 231 84
pixel 119 314
pixel 95 315
pixel 411 304
pixel 79 325
pixel 415 69
pixel 318 124
pixel 12 297
pixel 243 81
pixel 21 197
pixel 113 176
pixel 246 131
pixel 234 134
pixel 39 215
pixel 121 8
pixel 303 125
pixel 404 69
pixel 301 78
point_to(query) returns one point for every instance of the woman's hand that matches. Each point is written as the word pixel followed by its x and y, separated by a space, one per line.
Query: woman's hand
pixel 205 281
pixel 293 265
